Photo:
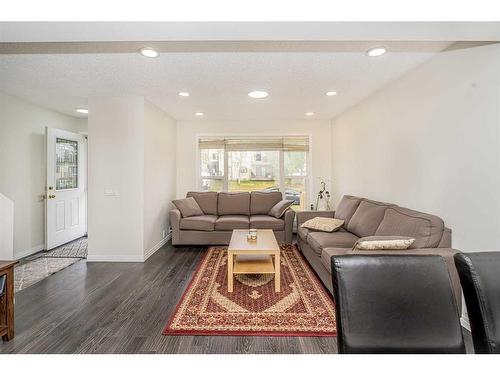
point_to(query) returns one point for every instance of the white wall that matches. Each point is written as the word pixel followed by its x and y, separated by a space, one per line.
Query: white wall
pixel 187 132
pixel 131 178
pixel 116 178
pixel 159 175
pixel 22 166
pixel 431 141
pixel 6 228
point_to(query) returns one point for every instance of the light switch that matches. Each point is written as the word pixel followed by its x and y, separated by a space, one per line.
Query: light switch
pixel 109 192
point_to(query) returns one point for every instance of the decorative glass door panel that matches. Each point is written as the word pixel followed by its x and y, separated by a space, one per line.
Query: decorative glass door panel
pixel 66 164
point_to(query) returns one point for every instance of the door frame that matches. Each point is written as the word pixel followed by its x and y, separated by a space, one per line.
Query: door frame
pixel 46 187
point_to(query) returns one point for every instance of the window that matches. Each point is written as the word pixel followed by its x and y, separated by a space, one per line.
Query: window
pixel 212 169
pixel 250 164
pixel 295 180
pixel 253 170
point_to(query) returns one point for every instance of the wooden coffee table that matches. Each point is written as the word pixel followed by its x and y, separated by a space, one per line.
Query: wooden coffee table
pixel 267 249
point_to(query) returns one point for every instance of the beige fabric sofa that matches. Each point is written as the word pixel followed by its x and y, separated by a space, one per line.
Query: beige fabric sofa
pixel 224 212
pixel 363 217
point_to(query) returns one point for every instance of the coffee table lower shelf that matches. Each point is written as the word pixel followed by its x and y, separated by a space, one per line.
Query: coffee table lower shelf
pixel 253 266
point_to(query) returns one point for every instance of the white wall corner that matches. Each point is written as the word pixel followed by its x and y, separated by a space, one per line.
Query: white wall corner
pixel 6 228
pixel 129 258
pixel 157 247
pixel 35 249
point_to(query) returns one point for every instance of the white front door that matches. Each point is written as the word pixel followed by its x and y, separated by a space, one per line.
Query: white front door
pixel 66 208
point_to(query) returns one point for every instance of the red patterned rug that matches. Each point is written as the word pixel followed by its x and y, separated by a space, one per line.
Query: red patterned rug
pixel 302 308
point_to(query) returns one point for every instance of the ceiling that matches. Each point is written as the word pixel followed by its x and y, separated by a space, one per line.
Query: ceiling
pixel 157 31
pixel 217 73
pixel 218 82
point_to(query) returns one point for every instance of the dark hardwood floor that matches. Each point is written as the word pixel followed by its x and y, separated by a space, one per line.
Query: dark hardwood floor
pixel 123 308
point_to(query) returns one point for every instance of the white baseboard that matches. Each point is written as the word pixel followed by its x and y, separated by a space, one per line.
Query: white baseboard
pixel 465 323
pixel 157 247
pixel 29 252
pixel 129 258
pixel 114 258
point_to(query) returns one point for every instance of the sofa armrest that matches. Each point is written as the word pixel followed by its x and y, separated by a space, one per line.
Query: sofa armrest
pixel 303 216
pixel 175 221
pixel 289 218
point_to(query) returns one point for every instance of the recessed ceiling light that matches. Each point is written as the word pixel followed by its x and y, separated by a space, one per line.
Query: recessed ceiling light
pixel 259 94
pixel 199 114
pixel 309 113
pixel 331 93
pixel 149 52
pixel 377 51
pixel 183 93
pixel 82 110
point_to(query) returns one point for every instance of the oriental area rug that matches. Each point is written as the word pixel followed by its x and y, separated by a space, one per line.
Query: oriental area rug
pixel 302 308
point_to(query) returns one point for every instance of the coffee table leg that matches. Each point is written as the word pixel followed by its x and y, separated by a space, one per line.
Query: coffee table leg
pixel 277 273
pixel 230 265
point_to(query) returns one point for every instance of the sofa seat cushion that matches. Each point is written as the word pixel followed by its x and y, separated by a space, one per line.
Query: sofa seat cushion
pixel 207 200
pixel 320 240
pixel 261 202
pixel 367 218
pixel 233 204
pixel 426 229
pixel 328 252
pixel 205 223
pixel 266 222
pixel 230 222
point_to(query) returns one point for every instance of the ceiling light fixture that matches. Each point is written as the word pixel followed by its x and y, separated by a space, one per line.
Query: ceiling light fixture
pixel 331 93
pixel 376 51
pixel 183 93
pixel 259 94
pixel 83 111
pixel 149 52
pixel 309 113
pixel 199 114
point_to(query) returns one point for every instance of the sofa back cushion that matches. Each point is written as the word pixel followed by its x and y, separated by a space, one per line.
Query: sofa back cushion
pixel 346 208
pixel 234 204
pixel 367 218
pixel 261 202
pixel 426 229
pixel 207 201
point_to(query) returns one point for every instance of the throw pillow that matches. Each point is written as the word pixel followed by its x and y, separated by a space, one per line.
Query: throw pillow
pixel 188 207
pixel 279 208
pixel 383 243
pixel 323 224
